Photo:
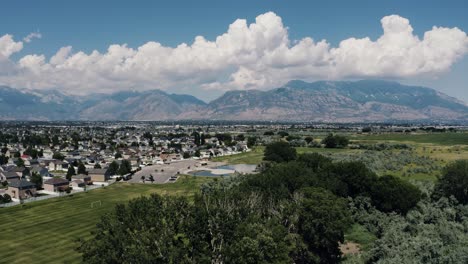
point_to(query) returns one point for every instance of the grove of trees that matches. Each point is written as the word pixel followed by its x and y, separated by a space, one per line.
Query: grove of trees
pixel 295 211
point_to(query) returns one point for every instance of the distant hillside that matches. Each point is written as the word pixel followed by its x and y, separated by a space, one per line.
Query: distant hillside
pixel 343 101
pixel 339 102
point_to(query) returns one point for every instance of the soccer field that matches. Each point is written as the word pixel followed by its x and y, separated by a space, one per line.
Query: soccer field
pixel 46 231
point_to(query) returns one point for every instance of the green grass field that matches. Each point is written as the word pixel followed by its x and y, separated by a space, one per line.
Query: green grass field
pixel 46 231
pixel 447 139
pixel 253 157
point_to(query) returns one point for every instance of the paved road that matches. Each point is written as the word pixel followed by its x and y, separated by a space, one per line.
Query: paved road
pixel 162 173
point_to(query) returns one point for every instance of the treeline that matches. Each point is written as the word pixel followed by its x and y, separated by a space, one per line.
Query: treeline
pixel 294 211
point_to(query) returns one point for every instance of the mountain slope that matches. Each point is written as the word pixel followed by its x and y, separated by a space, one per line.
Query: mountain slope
pixel 339 102
pixel 360 101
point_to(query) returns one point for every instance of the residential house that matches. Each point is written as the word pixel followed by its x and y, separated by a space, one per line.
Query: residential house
pixel 99 175
pixel 21 189
pixel 82 177
pixel 8 176
pixel 56 184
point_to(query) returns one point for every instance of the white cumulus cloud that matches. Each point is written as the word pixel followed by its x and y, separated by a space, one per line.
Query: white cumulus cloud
pixel 257 55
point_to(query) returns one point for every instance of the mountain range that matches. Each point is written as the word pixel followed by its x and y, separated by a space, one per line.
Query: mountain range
pixel 322 101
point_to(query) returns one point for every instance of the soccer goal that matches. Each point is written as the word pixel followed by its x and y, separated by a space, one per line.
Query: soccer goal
pixel 96 204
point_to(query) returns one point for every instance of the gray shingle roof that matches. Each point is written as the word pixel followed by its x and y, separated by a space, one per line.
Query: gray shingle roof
pixel 22 184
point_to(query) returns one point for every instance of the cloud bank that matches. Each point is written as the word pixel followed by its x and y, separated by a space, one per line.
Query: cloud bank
pixel 257 55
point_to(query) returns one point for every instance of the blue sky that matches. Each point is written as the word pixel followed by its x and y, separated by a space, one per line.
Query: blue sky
pixel 94 25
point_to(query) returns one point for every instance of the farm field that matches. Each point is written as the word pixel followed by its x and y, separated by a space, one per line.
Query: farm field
pixel 46 231
pixel 427 154
pixel 446 139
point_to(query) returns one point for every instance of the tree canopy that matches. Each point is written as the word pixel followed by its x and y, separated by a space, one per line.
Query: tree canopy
pixel 280 152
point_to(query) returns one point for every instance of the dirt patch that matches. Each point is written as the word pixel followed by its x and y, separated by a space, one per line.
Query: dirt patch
pixel 350 248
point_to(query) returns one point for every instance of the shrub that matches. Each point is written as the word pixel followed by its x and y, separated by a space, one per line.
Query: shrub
pixel 335 141
pixel 280 152
pixel 390 193
pixel 454 181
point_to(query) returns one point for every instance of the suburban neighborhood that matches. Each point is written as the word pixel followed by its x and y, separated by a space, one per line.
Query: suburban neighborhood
pixel 51 160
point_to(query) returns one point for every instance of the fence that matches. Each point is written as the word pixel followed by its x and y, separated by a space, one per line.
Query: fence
pixel 60 194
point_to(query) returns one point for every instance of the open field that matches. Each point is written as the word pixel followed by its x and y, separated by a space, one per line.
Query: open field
pixel 253 157
pixel 45 231
pixel 447 139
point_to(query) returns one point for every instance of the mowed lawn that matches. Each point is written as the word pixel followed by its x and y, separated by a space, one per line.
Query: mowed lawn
pixel 46 231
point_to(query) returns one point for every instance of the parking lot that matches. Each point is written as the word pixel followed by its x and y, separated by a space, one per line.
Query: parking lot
pixel 162 173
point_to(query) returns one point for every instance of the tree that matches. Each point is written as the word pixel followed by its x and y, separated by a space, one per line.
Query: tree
pixel 143 178
pixel 70 172
pixel 125 167
pixel 36 178
pixel 3 159
pixel 6 198
pixel 113 168
pixel 279 152
pixel 97 166
pixel 283 134
pixel 335 141
pixel 309 139
pixel 118 155
pixel 186 155
pixel 58 156
pixel 454 181
pixel 322 222
pixel 251 141
pixel 151 178
pixel 394 194
pixel 19 162
pixel 81 169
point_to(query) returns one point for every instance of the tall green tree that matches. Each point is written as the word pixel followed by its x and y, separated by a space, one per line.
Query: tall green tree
pixel 36 178
pixel 81 169
pixel 113 168
pixel 279 152
pixel 454 181
pixel 125 167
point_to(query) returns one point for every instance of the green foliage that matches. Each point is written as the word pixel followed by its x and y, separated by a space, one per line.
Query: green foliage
pixel 125 167
pixel 58 156
pixel 97 166
pixel 113 168
pixel 70 172
pixel 283 134
pixel 335 141
pixel 279 152
pixel 19 162
pixel 393 194
pixel 6 198
pixel 3 159
pixel 36 178
pixel 433 232
pixel 454 181
pixel 251 141
pixel 81 169
pixel 323 218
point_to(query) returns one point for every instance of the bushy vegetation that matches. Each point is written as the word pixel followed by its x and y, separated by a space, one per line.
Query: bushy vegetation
pixel 279 152
pixel 454 181
pixel 403 162
pixel 335 141
pixel 296 211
